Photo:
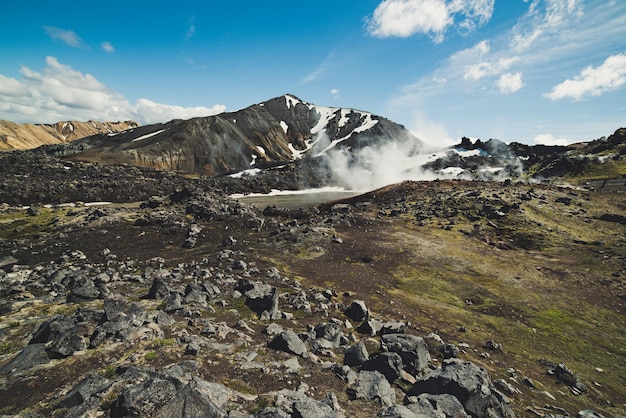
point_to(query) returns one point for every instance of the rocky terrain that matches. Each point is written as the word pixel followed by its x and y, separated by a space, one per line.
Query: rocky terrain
pixel 14 136
pixel 447 298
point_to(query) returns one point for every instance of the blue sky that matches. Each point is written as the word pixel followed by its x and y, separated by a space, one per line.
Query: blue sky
pixel 547 71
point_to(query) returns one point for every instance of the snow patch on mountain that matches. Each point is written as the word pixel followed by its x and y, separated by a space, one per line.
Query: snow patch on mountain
pixel 148 135
pixel 284 125
pixel 326 115
pixel 291 101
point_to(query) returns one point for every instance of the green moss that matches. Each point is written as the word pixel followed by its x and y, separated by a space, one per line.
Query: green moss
pixel 160 342
pixel 151 355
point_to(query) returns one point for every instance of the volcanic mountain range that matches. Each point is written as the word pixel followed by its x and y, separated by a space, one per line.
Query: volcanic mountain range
pixel 287 129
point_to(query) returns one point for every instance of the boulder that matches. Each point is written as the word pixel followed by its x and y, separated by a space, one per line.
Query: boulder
pixel 427 405
pixel 400 411
pixel 159 289
pixel 374 385
pixel 449 351
pixel 412 349
pixel 389 364
pixel 312 409
pixel 356 355
pixel 467 382
pixel 588 413
pixel 357 311
pixel 30 356
pixel 260 297
pixel 84 291
pixel 327 335
pixel 370 327
pixel 144 398
pixel 196 399
pixel 84 390
pixel 288 341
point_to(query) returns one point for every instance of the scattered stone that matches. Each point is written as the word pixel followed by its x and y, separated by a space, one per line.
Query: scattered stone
pixel 374 385
pixel 389 364
pixel 428 405
pixel 32 355
pixel 356 355
pixel 493 346
pixel 413 350
pixel 449 351
pixel 468 383
pixel 357 311
pixel 288 341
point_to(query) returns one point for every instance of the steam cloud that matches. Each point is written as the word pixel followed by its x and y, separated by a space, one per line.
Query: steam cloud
pixel 390 162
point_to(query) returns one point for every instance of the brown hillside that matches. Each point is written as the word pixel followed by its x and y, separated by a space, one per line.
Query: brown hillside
pixel 15 136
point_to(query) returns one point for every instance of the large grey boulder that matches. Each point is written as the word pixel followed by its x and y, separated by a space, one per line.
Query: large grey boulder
pixel 64 335
pixel 356 355
pixel 310 408
pixel 427 405
pixel 260 297
pixel 84 390
pixel 193 400
pixel 412 349
pixel 389 364
pixel 84 290
pixel 400 411
pixel 327 335
pixel 288 341
pixel 357 311
pixel 374 385
pixel 144 399
pixel 30 356
pixel 467 382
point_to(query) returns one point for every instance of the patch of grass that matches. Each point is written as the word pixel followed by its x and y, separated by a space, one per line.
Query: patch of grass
pixel 160 342
pixel 109 372
pixel 151 355
pixel 8 347
pixel 239 386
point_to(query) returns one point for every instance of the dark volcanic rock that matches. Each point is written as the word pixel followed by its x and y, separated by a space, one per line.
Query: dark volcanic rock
pixel 427 405
pixel 357 311
pixel 389 364
pixel 85 389
pixel 468 383
pixel 289 342
pixel 30 356
pixel 412 349
pixel 356 355
pixel 374 385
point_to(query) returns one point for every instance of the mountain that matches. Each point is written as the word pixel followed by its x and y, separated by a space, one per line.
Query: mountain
pixel 280 130
pixel 14 136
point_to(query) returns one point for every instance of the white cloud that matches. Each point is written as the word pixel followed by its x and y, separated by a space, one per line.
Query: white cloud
pixel 510 83
pixel 404 18
pixel 153 112
pixel 544 19
pixel 68 37
pixel 191 29
pixel 549 139
pixel 62 93
pixel 321 69
pixel 593 81
pixel 486 68
pixel 107 47
pixel 335 93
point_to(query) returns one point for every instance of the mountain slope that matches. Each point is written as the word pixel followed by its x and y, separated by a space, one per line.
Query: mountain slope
pixel 15 136
pixel 280 130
